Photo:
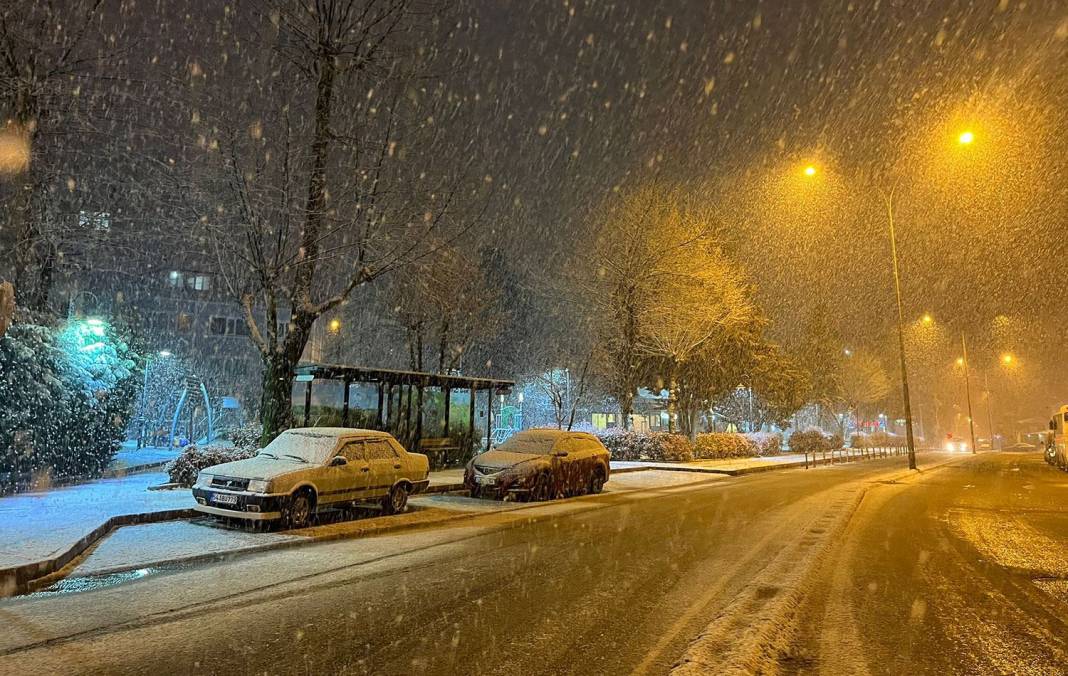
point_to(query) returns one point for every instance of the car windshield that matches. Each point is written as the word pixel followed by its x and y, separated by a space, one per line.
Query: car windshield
pixel 531 443
pixel 302 446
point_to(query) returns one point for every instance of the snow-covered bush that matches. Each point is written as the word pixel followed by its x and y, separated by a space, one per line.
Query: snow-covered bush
pixel 657 446
pixel 767 443
pixel 66 398
pixel 245 436
pixel 811 440
pixel 719 445
pixel 183 470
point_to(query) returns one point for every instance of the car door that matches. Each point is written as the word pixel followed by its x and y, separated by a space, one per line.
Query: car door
pixel 564 465
pixel 349 481
pixel 385 466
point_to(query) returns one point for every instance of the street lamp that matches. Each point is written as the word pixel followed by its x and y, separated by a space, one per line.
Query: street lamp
pixel 888 201
pixel 966 137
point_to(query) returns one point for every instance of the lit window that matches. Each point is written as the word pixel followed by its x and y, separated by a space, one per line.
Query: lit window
pixel 185 322
pixel 198 282
pixel 175 279
pixel 95 220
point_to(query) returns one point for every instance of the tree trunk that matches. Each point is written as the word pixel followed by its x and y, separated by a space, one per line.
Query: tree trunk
pixel 626 409
pixel 673 398
pixel 443 343
pixel 276 408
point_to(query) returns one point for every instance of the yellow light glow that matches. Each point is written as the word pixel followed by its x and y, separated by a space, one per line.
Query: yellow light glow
pixel 334 325
pixel 810 170
pixel 960 361
pixel 927 318
pixel 966 138
pixel 1007 359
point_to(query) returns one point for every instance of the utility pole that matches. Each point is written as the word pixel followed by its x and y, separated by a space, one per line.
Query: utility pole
pixel 889 198
pixel 989 415
pixel 968 391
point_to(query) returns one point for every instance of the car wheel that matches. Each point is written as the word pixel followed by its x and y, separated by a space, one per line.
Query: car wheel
pixel 476 493
pixel 299 511
pixel 597 481
pixel 543 488
pixel 396 501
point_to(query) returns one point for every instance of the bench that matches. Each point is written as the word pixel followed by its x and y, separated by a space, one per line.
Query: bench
pixel 440 451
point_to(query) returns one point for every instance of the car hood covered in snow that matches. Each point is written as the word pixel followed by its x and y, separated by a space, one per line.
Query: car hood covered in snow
pixel 496 460
pixel 259 467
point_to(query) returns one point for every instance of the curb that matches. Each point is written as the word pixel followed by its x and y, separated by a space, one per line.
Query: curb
pixel 117 472
pixel 18 579
pixel 298 541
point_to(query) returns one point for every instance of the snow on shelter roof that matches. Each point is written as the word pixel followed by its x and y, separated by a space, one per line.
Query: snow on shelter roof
pixel 362 374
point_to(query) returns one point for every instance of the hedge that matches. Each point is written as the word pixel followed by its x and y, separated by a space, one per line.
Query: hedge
pixel 657 446
pixel 814 441
pixel 720 445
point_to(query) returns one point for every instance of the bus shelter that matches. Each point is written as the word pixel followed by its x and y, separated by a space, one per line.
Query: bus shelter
pixel 395 401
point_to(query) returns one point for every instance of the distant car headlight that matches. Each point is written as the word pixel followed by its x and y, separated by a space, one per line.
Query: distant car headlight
pixel 258 485
pixel 203 479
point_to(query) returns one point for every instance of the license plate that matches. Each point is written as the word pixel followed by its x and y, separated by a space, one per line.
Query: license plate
pixel 224 499
pixel 486 480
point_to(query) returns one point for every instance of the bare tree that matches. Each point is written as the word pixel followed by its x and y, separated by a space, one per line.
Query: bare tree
pixel 53 56
pixel 318 174
pixel 663 289
pixel 445 305
pixel 863 381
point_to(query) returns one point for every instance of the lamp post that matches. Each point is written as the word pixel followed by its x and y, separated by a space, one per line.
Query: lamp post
pixel 162 354
pixel 968 390
pixel 909 441
pixel 810 171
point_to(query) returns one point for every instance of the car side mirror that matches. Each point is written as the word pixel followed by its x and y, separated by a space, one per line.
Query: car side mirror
pixel 338 461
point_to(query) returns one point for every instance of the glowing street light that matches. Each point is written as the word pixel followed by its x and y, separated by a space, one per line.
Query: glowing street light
pixel 1007 359
pixel 165 353
pixel 927 319
pixel 966 138
pixel 334 326
pixel 888 200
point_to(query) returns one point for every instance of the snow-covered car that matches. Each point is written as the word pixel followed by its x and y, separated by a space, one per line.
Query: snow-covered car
pixel 540 464
pixel 307 468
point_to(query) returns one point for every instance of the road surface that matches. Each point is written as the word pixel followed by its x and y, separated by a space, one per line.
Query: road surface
pixel 861 568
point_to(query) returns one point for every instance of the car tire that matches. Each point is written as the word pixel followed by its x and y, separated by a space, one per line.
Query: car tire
pixel 476 493
pixel 299 510
pixel 543 488
pixel 596 481
pixel 397 500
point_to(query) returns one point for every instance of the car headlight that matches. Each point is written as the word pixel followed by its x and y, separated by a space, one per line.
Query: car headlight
pixel 258 485
pixel 203 479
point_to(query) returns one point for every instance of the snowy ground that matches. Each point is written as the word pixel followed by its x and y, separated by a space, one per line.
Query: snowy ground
pixel 37 525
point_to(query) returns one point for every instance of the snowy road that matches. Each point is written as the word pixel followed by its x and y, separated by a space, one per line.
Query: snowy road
pixel 840 569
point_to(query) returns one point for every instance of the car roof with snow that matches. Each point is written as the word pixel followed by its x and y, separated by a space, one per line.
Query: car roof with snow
pixel 340 432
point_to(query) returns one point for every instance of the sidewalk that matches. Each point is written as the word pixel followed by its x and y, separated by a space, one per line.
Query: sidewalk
pixel 728 466
pixel 130 458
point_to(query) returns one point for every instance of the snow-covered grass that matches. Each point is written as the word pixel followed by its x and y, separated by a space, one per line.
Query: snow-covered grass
pixel 37 525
